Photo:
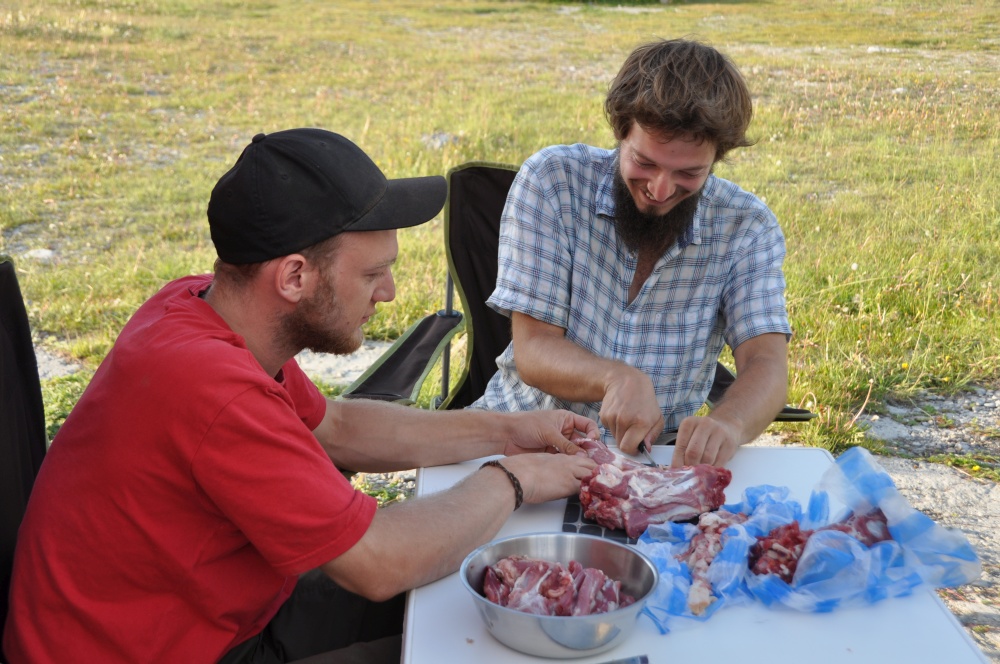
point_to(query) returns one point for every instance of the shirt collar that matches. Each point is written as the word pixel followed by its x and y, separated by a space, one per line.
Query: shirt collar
pixel 604 202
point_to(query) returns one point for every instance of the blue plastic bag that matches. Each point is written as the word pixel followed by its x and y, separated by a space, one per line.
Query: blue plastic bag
pixel 834 569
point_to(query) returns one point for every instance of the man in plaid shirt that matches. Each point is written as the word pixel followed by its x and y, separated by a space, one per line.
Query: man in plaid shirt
pixel 625 271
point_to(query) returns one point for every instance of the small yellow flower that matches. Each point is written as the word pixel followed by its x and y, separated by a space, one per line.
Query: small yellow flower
pixel 975 468
pixel 906 365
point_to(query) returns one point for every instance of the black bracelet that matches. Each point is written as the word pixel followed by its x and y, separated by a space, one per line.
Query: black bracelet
pixel 518 492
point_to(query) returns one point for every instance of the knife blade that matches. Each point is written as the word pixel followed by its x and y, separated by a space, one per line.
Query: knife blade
pixel 645 453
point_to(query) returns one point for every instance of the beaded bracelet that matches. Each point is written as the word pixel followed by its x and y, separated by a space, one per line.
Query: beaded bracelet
pixel 518 492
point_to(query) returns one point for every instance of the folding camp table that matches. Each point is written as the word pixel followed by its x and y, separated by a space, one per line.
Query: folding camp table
pixel 442 625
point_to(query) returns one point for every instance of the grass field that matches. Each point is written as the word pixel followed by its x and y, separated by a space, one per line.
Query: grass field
pixel 878 128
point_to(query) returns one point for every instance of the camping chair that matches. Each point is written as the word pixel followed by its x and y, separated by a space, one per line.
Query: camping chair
pixel 22 422
pixel 477 193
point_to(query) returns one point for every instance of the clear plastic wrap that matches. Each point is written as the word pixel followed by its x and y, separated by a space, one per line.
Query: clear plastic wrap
pixel 834 568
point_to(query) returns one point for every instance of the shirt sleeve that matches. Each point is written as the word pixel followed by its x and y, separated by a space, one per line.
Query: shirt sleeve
pixel 754 299
pixel 535 254
pixel 264 470
pixel 310 404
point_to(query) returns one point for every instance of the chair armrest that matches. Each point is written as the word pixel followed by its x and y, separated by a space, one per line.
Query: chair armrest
pixel 398 374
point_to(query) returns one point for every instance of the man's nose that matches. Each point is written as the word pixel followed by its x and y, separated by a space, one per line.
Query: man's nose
pixel 660 187
pixel 386 291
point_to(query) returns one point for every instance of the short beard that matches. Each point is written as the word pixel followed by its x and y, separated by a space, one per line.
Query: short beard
pixel 644 232
pixel 309 326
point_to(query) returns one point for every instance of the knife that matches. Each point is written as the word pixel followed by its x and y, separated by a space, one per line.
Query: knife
pixel 638 659
pixel 649 458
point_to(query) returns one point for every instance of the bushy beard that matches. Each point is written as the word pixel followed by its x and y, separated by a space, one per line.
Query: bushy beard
pixel 311 325
pixel 643 232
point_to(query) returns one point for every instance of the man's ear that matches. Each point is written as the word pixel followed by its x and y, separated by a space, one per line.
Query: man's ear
pixel 293 276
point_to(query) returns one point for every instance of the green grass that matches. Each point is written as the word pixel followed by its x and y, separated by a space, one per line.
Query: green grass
pixel 877 148
pixel 59 395
pixel 393 491
pixel 977 465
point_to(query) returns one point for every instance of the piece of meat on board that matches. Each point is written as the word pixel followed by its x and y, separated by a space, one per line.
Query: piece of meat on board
pixel 866 528
pixel 630 496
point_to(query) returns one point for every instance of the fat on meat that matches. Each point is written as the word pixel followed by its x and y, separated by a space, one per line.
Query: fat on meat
pixel 548 588
pixel 630 496
pixel 700 554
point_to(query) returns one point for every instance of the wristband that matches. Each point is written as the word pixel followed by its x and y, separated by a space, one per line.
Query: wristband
pixel 518 492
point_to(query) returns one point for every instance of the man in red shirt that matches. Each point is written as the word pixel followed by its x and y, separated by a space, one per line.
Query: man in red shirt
pixel 198 478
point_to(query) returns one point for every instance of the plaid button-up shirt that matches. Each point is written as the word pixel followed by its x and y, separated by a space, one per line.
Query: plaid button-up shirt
pixel 560 262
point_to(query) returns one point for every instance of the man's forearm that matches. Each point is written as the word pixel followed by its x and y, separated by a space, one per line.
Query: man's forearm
pixel 760 389
pixel 548 361
pixel 559 367
pixel 416 542
pixel 378 436
pixel 436 531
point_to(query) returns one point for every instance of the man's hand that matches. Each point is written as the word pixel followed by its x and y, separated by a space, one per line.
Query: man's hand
pixel 546 477
pixel 749 405
pixel 704 440
pixel 541 430
pixel 630 410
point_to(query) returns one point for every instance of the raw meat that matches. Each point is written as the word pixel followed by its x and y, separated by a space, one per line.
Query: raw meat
pixel 549 589
pixel 702 551
pixel 629 496
pixel 779 551
pixel 866 528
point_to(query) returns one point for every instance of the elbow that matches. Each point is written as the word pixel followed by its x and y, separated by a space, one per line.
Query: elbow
pixel 380 592
pixel 373 585
pixel 527 369
pixel 371 575
pixel 782 386
pixel 534 345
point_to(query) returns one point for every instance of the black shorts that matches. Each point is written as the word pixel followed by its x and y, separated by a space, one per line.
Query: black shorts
pixel 321 623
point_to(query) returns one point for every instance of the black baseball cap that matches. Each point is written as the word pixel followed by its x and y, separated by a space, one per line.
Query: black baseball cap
pixel 292 189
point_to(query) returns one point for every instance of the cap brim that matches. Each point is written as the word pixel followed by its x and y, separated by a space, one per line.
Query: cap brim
pixel 407 202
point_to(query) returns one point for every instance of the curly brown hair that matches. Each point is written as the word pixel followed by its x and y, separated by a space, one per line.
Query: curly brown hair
pixel 680 86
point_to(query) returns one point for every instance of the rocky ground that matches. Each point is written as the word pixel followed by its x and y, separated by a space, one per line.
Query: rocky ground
pixel 961 425
pixel 931 425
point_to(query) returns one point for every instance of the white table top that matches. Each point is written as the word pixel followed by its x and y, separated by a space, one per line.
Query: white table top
pixel 442 624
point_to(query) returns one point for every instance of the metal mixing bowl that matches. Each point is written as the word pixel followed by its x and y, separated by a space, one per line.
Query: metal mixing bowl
pixel 562 636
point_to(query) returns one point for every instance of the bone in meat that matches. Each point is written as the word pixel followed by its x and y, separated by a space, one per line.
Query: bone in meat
pixel 704 547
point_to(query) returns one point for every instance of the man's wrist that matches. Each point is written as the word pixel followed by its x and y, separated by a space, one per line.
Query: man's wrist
pixel 732 425
pixel 518 491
